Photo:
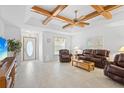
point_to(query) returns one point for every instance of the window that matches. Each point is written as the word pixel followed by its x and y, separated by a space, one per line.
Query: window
pixel 59 43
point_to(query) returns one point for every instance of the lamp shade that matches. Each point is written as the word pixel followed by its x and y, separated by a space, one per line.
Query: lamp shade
pixel 121 49
pixel 76 48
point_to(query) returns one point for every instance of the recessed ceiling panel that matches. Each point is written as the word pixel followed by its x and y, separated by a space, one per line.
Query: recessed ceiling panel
pixel 37 15
pixel 48 7
pixel 57 22
pixel 82 10
pixel 118 10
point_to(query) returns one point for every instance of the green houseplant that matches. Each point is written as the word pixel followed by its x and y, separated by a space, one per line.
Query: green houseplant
pixel 14 46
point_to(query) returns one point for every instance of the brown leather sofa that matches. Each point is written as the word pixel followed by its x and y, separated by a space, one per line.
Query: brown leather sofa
pixel 64 55
pixel 98 56
pixel 115 70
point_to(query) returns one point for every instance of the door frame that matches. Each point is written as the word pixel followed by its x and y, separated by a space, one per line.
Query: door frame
pixel 23 48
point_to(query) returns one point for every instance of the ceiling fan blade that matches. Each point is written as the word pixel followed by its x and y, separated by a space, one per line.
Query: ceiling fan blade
pixel 82 17
pixel 85 23
pixel 80 24
pixel 68 25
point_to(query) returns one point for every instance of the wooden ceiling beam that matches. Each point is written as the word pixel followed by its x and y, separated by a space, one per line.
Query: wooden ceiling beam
pixel 100 9
pixel 95 13
pixel 40 10
pixel 64 19
pixel 58 9
pixel 55 12
pixel 44 12
pixel 111 7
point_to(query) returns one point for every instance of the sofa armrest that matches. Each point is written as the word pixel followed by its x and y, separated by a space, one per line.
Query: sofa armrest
pixel 70 54
pixel 110 62
pixel 117 70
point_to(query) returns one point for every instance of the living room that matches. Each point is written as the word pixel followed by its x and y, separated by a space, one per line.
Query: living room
pixel 42 31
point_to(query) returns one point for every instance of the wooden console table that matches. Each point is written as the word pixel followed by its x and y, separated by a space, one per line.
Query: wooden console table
pixel 87 65
pixel 7 72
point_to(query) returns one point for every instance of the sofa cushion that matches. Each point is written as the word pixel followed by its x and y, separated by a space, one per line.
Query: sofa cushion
pixel 100 52
pixel 87 51
pixel 63 51
pixel 121 60
pixel 65 56
pixel 84 58
pixel 98 56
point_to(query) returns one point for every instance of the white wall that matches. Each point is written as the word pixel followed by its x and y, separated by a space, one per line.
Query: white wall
pixel 79 40
pixel 41 46
pixel 1 27
pixel 12 32
pixel 113 37
pixel 48 47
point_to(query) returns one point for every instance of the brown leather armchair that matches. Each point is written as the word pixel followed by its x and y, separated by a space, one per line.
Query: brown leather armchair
pixel 115 70
pixel 64 55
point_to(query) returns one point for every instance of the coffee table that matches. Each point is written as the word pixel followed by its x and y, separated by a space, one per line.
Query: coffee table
pixel 87 65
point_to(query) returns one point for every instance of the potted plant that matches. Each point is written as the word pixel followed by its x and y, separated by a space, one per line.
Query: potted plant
pixel 14 47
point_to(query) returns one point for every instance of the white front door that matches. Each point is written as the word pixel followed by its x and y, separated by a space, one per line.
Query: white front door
pixel 29 48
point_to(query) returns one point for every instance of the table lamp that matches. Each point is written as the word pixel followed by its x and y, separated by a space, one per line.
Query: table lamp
pixel 121 50
pixel 77 51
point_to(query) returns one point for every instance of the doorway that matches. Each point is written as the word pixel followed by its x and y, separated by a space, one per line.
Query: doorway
pixel 29 48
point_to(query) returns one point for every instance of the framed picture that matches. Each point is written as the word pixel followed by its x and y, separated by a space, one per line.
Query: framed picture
pixel 95 42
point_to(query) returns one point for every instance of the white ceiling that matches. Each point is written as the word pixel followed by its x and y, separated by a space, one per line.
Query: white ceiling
pixel 23 14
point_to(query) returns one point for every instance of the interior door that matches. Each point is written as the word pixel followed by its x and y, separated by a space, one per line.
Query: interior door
pixel 29 48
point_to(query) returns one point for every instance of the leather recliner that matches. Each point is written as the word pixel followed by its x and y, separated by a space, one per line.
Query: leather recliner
pixel 115 70
pixel 98 56
pixel 64 55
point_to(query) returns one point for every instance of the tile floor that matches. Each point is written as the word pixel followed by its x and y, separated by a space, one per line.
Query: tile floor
pixel 35 74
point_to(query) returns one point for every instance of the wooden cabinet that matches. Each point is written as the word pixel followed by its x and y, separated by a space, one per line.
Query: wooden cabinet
pixel 7 72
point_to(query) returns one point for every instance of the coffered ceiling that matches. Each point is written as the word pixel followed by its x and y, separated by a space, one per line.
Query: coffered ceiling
pixel 25 15
pixel 64 15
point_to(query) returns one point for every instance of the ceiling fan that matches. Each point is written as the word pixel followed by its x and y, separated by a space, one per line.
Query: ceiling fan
pixel 76 22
